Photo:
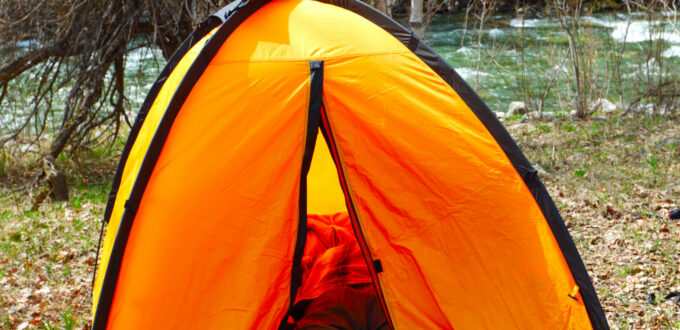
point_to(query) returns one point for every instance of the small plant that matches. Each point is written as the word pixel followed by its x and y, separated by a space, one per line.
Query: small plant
pixel 653 162
pixel 15 237
pixel 46 325
pixel 67 318
pixel 514 117
pixel 78 225
pixel 3 163
pixel 31 214
pixel 76 203
pixel 579 173
pixel 623 271
pixel 5 215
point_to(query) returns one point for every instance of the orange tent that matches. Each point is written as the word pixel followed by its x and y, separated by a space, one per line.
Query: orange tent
pixel 208 214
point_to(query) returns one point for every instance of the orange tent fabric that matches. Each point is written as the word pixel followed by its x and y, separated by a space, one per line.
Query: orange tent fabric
pixel 276 114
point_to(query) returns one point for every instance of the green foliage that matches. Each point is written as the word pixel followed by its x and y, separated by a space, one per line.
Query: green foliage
pixel 46 325
pixel 3 163
pixel 76 203
pixel 5 215
pixel 15 237
pixel 69 321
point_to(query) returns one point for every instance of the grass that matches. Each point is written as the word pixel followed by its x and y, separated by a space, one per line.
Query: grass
pixel 604 177
pixel 47 255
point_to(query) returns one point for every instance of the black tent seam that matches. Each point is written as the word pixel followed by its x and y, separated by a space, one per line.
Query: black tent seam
pixel 101 317
pixel 504 140
pixel 312 130
pixel 327 132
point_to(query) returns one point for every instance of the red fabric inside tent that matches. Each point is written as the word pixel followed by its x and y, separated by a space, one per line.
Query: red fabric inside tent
pixel 332 257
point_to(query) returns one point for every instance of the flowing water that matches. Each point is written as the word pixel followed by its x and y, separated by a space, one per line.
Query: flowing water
pixel 511 59
pixel 508 59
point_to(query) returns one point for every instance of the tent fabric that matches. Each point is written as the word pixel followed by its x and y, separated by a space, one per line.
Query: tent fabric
pixel 135 155
pixel 486 116
pixel 210 218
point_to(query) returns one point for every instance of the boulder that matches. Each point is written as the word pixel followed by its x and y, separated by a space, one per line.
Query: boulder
pixel 535 115
pixel 604 105
pixel 548 115
pixel 516 108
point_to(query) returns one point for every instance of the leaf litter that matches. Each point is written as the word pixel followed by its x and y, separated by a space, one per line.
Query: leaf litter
pixel 613 184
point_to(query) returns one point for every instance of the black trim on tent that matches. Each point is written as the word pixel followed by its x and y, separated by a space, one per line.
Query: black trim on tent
pixel 201 31
pixel 373 267
pixel 503 138
pixel 245 9
pixel 313 122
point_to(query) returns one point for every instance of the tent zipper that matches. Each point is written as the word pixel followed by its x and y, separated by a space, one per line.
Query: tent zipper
pixel 370 262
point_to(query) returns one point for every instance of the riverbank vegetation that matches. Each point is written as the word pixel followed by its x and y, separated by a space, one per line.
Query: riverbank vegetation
pixel 68 81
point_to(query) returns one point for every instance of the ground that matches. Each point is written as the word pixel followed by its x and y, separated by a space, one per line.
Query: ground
pixel 612 182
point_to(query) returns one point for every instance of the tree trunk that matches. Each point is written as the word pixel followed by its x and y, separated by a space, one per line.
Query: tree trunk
pixel 382 6
pixel 416 18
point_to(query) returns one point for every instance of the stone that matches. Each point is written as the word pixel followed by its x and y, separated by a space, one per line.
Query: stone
pixel 533 115
pixel 516 108
pixel 606 106
pixel 499 114
pixel 548 116
pixel 668 141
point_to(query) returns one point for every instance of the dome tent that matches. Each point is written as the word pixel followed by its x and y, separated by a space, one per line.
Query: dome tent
pixel 207 217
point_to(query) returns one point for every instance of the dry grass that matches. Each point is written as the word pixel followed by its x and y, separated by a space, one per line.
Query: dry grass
pixel 605 179
pixel 609 182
